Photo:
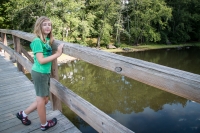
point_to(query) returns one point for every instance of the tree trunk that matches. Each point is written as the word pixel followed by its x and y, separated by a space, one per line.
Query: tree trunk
pixel 98 41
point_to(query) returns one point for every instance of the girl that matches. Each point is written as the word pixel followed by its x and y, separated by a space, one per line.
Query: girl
pixel 41 47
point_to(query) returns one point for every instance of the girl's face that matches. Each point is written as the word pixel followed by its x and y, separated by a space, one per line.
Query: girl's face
pixel 46 27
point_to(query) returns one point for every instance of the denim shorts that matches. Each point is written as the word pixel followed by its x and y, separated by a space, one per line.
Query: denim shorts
pixel 41 83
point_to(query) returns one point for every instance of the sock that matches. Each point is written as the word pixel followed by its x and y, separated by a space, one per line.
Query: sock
pixel 45 124
pixel 24 115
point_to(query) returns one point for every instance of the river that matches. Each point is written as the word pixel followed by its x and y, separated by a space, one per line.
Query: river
pixel 139 107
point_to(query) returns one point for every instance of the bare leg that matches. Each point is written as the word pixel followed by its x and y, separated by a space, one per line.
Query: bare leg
pixel 41 101
pixel 33 106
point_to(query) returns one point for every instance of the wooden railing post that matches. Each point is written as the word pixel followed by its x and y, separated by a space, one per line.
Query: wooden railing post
pixel 55 101
pixel 4 40
pixel 17 47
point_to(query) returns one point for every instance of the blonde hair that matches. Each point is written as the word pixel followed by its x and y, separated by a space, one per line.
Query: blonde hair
pixel 38 29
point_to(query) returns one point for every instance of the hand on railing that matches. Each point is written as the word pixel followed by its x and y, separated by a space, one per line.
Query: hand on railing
pixel 59 50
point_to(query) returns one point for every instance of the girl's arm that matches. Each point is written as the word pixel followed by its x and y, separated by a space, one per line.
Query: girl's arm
pixel 43 60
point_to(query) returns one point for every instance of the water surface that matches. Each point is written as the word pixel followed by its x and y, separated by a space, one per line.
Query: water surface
pixel 139 107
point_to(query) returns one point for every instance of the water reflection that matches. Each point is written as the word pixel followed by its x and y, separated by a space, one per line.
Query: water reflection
pixel 137 106
pixel 186 58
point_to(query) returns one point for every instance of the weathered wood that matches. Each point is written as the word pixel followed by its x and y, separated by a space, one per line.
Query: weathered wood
pixel 11 115
pixel 89 113
pixel 11 92
pixel 4 40
pixel 27 55
pixel 55 101
pixel 9 75
pixel 9 68
pixel 17 47
pixel 26 63
pixel 27 92
pixel 16 94
pixel 13 85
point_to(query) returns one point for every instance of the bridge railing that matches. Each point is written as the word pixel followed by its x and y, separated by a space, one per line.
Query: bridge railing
pixel 181 83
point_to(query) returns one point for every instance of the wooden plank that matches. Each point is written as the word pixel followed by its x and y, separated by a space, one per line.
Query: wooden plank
pixel 27 55
pixel 89 113
pixel 16 100
pixel 10 76
pixel 12 114
pixel 20 108
pixel 62 126
pixel 4 40
pixel 26 85
pixel 10 92
pixel 3 62
pixel 14 110
pixel 16 42
pixel 26 63
pixel 21 77
pixel 35 125
pixel 13 124
pixel 7 81
pixel 16 104
pixel 18 92
pixel 6 102
pixel 56 103
pixel 15 73
pixel 8 68
pixel 7 86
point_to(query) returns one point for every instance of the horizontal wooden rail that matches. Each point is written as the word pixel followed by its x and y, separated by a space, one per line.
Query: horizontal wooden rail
pixel 181 83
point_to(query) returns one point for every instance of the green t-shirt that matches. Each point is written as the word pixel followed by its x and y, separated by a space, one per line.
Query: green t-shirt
pixel 38 46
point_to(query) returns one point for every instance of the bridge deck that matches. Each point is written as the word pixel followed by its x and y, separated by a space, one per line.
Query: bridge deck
pixel 16 93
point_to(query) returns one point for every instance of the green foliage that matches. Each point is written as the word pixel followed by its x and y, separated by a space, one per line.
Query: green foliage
pixel 184 25
pixel 146 17
pixel 117 44
pixel 57 29
pixel 136 22
pixel 4 18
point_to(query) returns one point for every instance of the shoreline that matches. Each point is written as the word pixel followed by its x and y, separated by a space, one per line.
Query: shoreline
pixel 66 58
pixel 147 47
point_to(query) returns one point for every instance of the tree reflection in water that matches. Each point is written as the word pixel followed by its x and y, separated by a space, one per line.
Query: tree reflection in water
pixel 137 106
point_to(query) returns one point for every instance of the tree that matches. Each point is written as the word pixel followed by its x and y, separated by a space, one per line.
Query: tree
pixel 4 19
pixel 184 25
pixel 146 17
pixel 23 14
pixel 105 13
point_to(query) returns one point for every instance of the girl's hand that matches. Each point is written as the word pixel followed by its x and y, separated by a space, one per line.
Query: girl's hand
pixel 59 49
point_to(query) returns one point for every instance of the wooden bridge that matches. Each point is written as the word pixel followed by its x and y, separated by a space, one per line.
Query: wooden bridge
pixel 175 81
pixel 17 92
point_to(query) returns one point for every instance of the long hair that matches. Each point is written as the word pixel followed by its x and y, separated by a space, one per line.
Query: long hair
pixel 38 29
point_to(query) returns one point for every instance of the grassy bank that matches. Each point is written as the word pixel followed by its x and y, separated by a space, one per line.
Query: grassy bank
pixel 148 47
